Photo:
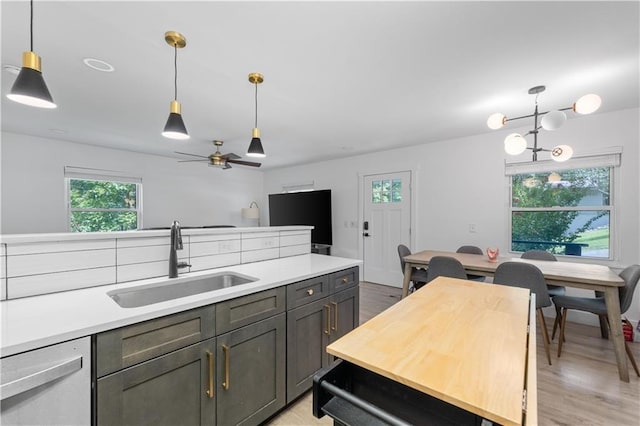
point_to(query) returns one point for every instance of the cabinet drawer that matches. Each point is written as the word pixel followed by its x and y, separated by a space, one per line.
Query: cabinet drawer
pixel 344 279
pixel 127 346
pixel 307 291
pixel 245 310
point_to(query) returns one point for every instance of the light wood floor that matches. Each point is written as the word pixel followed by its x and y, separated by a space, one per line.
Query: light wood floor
pixel 580 388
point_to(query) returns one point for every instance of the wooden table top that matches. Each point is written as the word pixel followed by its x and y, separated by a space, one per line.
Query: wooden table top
pixel 556 272
pixel 460 341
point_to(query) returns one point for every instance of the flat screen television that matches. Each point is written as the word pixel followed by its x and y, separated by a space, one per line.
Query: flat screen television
pixel 311 208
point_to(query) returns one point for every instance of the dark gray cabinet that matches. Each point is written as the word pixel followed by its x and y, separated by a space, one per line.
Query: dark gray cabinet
pixel 175 388
pixel 311 327
pixel 251 372
pixel 237 362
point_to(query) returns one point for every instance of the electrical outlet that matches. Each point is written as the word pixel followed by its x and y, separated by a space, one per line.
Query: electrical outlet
pixel 472 228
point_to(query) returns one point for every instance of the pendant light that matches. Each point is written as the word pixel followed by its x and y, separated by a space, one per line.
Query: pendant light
pixel 29 87
pixel 255 147
pixel 175 128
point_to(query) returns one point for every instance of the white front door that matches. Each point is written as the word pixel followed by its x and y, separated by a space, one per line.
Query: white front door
pixel 387 217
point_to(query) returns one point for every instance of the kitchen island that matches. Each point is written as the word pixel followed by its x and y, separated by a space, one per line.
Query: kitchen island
pixel 453 352
pixel 196 357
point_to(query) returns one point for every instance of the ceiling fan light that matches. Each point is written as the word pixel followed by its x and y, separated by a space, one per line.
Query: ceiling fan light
pixel 29 87
pixel 587 104
pixel 553 120
pixel 515 144
pixel 175 128
pixel 496 121
pixel 561 153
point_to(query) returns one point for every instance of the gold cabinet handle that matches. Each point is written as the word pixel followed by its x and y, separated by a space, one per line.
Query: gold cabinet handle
pixel 310 292
pixel 327 329
pixel 210 390
pixel 334 327
pixel 345 280
pixel 225 351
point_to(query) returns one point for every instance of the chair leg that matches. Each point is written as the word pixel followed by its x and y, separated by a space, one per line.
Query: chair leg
pixel 556 322
pixel 545 335
pixel 563 323
pixel 604 329
pixel 631 358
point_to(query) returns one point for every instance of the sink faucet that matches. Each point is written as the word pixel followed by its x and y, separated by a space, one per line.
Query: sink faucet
pixel 176 244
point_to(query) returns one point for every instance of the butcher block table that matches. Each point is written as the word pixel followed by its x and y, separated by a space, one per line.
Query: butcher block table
pixel 467 345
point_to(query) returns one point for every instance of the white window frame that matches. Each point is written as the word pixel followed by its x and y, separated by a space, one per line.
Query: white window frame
pixel 82 173
pixel 611 159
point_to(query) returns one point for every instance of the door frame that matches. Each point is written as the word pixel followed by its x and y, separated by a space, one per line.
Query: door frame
pixel 413 227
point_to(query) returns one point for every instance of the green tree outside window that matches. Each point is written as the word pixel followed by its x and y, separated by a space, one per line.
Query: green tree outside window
pixel 102 206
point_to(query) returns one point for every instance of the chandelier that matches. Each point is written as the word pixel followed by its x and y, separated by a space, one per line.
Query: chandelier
pixel 515 143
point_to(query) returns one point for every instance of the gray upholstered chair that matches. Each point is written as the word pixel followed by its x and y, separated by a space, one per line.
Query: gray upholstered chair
pixel 525 275
pixel 445 266
pixel 472 250
pixel 418 275
pixel 631 276
pixel 554 290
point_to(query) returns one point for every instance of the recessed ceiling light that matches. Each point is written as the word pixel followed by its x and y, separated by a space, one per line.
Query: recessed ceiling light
pixel 12 69
pixel 98 65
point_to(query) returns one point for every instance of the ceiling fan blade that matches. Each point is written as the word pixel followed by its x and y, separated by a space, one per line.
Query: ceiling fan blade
pixel 245 163
pixel 231 156
pixel 226 166
pixel 186 153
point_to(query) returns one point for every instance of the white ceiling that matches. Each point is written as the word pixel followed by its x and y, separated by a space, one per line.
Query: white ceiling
pixel 341 78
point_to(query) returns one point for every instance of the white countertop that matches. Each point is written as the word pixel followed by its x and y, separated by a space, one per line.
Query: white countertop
pixel 37 321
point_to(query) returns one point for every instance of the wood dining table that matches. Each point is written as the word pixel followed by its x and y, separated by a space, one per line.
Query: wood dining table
pixel 568 274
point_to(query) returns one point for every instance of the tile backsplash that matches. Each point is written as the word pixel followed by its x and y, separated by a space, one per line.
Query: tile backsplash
pixel 38 267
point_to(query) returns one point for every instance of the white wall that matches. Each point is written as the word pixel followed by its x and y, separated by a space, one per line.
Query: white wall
pixel 33 189
pixel 459 182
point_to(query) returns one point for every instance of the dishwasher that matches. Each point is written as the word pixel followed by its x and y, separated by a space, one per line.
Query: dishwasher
pixel 47 386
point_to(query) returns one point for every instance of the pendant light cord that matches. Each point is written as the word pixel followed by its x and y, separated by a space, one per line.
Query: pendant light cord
pixel 31 28
pixel 256 124
pixel 175 71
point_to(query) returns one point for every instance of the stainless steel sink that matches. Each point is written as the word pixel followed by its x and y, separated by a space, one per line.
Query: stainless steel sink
pixel 154 293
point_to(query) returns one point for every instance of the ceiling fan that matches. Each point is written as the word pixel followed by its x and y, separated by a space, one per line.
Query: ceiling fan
pixel 217 159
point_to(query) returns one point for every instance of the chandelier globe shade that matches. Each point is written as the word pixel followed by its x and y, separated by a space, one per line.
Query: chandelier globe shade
pixel 553 120
pixel 561 153
pixel 496 121
pixel 587 104
pixel 515 144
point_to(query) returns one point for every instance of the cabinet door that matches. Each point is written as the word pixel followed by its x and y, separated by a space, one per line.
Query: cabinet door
pixel 173 389
pixel 344 312
pixel 307 337
pixel 251 372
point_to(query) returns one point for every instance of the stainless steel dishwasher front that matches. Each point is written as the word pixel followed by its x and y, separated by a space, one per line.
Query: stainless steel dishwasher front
pixel 47 386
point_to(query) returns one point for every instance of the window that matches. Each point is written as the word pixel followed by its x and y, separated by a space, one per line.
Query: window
pixel 565 211
pixel 386 191
pixel 102 203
